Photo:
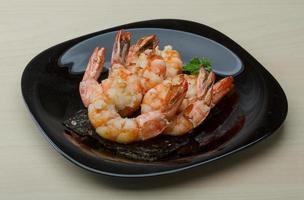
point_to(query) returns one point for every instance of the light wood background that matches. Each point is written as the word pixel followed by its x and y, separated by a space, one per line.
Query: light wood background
pixel 272 31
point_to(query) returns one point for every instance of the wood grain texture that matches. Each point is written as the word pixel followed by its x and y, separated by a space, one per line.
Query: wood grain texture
pixel 272 31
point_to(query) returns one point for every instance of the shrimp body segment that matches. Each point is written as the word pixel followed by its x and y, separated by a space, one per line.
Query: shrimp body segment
pixel 153 70
pixel 144 61
pixel 110 125
pixel 172 58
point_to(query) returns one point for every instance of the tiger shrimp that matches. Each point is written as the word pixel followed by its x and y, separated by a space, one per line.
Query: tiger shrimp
pixel 103 113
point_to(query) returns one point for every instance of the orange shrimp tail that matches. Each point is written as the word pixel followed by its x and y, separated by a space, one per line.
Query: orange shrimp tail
pixel 221 88
pixel 144 43
pixel 89 88
pixel 121 47
pixel 178 95
pixel 95 65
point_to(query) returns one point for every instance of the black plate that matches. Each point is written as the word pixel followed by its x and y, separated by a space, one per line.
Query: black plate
pixel 50 90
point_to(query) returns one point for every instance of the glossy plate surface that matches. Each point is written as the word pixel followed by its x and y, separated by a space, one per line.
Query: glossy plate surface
pixel 50 90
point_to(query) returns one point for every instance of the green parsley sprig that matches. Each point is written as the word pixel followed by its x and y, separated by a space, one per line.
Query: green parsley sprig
pixel 195 64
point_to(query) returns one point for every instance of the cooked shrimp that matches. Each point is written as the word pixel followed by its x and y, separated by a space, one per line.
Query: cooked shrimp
pixel 110 125
pixel 141 70
pixel 104 115
pixel 174 63
pixel 191 95
pixel 157 98
pixel 124 91
pixel 220 89
pixel 195 113
pixel 122 87
pixel 143 60
pixel 154 70
pixel 151 102
pixel 143 44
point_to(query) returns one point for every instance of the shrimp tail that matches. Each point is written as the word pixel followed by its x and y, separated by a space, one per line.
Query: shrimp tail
pixel 95 65
pixel 121 47
pixel 178 92
pixel 89 88
pixel 152 124
pixel 199 110
pixel 148 42
pixel 144 43
pixel 221 88
pixel 205 80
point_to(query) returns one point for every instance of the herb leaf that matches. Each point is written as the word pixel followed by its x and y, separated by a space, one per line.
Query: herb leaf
pixel 195 64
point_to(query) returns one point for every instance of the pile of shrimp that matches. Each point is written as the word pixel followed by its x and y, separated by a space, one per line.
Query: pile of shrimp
pixel 143 77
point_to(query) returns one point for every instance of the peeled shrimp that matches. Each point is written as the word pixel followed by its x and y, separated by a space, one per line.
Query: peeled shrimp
pixel 220 89
pixel 103 113
pixel 199 102
pixel 154 70
pixel 196 104
pixel 157 98
pixel 172 58
pixel 196 112
pixel 143 60
pixel 122 87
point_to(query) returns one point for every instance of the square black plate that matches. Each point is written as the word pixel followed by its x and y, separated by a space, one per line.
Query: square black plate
pixel 50 90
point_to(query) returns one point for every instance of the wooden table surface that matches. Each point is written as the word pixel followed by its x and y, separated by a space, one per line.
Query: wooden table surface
pixel 272 31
